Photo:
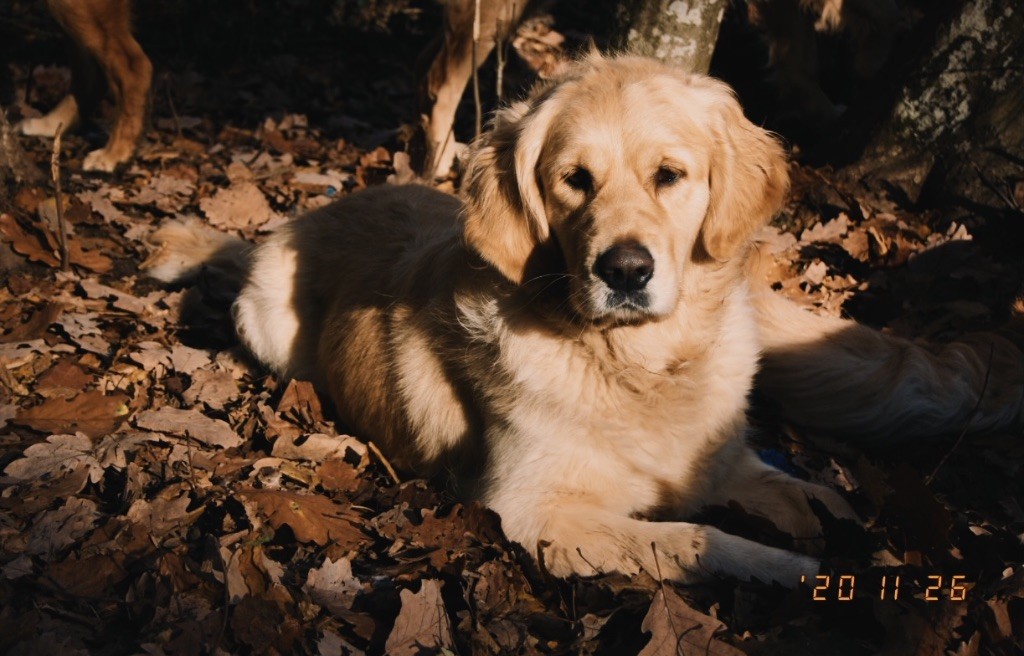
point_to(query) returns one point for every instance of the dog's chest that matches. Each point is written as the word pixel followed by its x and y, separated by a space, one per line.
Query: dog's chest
pixel 646 429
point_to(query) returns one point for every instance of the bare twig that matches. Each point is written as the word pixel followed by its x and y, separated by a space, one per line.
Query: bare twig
pixel 502 36
pixel 997 190
pixel 970 418
pixel 62 228
pixel 664 599
pixel 584 559
pixel 224 567
pixel 499 54
pixel 170 105
pixel 476 66
pixel 384 461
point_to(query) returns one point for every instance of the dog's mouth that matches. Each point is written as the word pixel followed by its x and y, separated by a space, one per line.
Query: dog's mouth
pixel 631 303
pixel 601 305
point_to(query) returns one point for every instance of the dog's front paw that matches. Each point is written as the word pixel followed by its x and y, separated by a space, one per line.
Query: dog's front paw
pixel 101 160
pixel 723 553
pixel 596 558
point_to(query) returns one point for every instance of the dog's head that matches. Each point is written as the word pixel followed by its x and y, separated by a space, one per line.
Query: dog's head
pixel 633 171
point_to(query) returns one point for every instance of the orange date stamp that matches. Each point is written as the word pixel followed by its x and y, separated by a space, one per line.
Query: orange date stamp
pixel 844 587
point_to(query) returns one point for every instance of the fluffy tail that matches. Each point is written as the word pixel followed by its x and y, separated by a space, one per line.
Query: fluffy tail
pixel 852 382
pixel 188 251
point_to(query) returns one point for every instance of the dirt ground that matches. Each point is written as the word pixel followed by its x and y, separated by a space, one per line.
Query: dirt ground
pixel 161 494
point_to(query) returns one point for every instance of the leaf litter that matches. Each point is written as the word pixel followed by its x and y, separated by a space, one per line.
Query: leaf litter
pixel 162 495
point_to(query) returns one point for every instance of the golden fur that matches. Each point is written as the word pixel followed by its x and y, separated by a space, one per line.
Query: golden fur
pixel 478 338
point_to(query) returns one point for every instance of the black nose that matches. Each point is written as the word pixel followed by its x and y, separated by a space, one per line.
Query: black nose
pixel 625 267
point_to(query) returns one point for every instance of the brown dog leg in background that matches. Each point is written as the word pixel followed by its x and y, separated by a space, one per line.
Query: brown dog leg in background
pixel 792 27
pixel 101 30
pixel 452 69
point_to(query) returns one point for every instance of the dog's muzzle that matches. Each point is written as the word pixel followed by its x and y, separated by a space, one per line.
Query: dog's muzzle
pixel 626 268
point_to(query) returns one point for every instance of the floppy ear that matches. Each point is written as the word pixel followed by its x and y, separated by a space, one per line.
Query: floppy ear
pixel 505 219
pixel 749 179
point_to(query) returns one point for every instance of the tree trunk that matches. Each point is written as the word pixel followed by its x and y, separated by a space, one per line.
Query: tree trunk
pixel 679 32
pixel 957 127
pixel 14 163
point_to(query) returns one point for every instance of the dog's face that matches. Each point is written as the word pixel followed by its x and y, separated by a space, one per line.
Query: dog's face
pixel 634 172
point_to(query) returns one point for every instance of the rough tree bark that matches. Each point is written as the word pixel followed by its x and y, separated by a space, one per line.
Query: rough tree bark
pixel 678 32
pixel 14 163
pixel 957 126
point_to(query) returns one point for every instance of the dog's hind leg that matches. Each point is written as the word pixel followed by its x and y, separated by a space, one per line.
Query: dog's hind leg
pixel 856 383
pixel 101 30
pixel 453 67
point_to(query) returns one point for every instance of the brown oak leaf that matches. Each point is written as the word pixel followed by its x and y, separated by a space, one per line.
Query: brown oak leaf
pixel 190 423
pixel 678 629
pixel 312 518
pixel 93 413
pixel 422 624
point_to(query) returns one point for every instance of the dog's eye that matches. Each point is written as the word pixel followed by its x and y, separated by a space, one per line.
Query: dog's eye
pixel 580 180
pixel 666 177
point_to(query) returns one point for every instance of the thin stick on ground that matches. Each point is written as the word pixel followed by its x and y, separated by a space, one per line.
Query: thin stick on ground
pixel 502 38
pixel 476 66
pixel 664 598
pixel 384 461
pixel 62 228
pixel 170 105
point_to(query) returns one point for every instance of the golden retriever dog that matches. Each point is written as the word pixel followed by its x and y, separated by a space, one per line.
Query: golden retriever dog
pixel 574 341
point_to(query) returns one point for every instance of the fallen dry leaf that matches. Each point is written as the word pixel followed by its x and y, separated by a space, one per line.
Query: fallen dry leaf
pixel 317 447
pixel 189 423
pixel 58 454
pixel 41 245
pixel 422 623
pixel 17 354
pixel 121 300
pixel 26 243
pixel 312 518
pixel 58 529
pixel 185 359
pixel 213 387
pixel 35 326
pixel 84 330
pixel 150 354
pixel 832 231
pixel 64 379
pixel 242 205
pixel 164 513
pixel 676 629
pixel 332 585
pixel 93 413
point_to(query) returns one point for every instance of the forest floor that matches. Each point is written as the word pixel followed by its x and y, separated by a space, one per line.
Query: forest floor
pixel 162 494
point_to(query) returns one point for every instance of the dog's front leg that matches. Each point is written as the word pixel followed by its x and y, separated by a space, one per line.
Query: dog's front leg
pixel 578 537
